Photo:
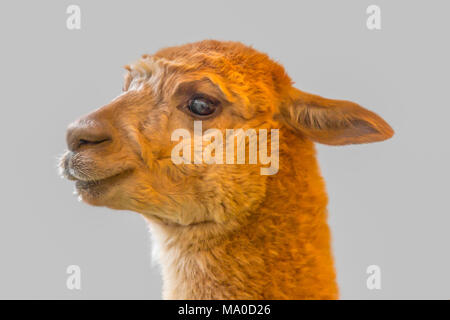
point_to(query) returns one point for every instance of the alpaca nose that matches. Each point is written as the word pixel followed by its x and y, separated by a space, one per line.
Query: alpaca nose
pixel 87 132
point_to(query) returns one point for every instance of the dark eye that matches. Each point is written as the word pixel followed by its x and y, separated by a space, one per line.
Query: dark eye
pixel 201 106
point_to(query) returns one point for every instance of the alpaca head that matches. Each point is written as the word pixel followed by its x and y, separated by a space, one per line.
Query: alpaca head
pixel 121 155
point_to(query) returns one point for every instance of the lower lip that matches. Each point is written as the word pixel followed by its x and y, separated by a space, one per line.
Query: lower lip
pixel 88 184
pixel 97 187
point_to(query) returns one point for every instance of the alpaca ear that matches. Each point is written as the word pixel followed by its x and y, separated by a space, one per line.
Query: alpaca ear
pixel 333 122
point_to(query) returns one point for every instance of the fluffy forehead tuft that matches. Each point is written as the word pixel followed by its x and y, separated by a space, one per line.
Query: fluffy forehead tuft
pixel 151 70
pixel 237 64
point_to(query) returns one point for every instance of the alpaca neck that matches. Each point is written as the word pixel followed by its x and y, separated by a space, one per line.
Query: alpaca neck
pixel 282 251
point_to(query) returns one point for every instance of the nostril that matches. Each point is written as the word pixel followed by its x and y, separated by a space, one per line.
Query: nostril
pixel 83 142
pixel 87 132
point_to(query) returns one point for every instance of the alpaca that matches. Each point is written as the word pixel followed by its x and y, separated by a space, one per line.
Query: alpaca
pixel 220 231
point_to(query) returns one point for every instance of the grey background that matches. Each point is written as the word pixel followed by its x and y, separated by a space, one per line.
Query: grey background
pixel 388 201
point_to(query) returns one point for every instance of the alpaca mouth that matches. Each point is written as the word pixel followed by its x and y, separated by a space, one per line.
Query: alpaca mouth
pixel 86 181
pixel 98 187
pixel 89 184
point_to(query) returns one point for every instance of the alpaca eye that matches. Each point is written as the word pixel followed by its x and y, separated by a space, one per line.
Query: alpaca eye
pixel 201 107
